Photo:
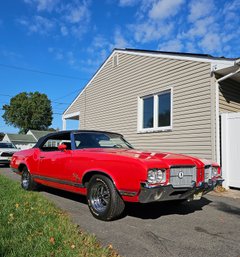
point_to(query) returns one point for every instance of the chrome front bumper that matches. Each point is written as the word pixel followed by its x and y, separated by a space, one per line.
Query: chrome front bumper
pixel 167 193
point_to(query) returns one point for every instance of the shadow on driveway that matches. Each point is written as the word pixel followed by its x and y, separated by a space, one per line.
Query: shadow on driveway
pixel 156 210
pixel 65 194
pixel 228 208
pixel 142 211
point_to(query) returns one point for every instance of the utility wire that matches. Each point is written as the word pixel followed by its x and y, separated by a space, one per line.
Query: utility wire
pixel 67 95
pixel 50 100
pixel 41 72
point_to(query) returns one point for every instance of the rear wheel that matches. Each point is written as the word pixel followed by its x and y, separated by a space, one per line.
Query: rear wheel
pixel 104 201
pixel 27 181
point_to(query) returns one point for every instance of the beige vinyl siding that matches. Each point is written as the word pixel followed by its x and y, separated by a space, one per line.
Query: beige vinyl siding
pixel 229 96
pixel 110 102
pixel 75 107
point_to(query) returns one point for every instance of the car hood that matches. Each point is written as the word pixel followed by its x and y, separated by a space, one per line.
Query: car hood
pixel 148 156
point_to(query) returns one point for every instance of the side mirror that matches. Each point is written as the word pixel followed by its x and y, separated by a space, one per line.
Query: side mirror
pixel 62 147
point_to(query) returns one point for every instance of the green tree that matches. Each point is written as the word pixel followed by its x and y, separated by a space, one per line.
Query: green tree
pixel 28 111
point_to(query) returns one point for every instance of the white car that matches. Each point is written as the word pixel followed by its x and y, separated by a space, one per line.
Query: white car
pixel 6 151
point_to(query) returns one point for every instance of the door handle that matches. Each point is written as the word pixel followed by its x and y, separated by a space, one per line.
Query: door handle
pixel 41 157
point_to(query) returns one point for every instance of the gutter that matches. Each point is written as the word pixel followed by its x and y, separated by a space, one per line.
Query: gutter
pixel 229 75
pixel 236 63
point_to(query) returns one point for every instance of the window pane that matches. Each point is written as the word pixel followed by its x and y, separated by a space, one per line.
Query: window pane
pixel 148 112
pixel 164 109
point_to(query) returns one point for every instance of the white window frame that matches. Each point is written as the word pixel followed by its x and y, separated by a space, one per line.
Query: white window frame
pixel 155 128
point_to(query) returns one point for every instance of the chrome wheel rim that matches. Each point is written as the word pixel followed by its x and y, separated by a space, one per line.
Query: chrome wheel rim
pixel 25 179
pixel 99 197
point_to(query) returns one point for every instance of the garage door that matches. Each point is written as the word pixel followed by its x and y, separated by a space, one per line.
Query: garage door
pixel 231 149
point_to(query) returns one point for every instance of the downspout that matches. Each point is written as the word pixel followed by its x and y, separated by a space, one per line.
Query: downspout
pixel 237 62
pixel 217 121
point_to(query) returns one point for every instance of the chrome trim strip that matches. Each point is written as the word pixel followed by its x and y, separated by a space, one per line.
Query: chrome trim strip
pixel 59 181
pixel 127 193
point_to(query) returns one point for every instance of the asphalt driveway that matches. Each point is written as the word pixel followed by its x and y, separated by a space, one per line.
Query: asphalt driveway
pixel 209 227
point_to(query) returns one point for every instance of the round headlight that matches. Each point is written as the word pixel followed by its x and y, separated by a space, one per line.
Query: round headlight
pixel 151 176
pixel 214 171
pixel 159 176
pixel 156 176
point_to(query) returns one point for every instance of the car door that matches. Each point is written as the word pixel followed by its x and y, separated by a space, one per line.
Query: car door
pixel 53 164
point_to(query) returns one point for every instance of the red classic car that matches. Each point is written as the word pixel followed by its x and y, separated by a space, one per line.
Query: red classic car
pixel 105 167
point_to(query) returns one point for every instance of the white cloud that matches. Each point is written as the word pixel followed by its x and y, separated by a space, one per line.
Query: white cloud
pixel 200 9
pixel 190 47
pixel 77 12
pixel 10 55
pixel 201 27
pixel 43 5
pixel 231 15
pixel 150 31
pixel 79 30
pixel 211 43
pixel 66 56
pixel 231 6
pixel 69 18
pixel 64 30
pixel 174 45
pixel 57 53
pixel 124 3
pixel 38 24
pixel 163 9
pixel 71 58
pixel 119 41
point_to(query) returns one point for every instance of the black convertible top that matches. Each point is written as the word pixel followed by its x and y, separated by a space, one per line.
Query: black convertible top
pixel 62 132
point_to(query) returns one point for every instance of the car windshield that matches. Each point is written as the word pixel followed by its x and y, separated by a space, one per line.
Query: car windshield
pixel 100 140
pixel 7 145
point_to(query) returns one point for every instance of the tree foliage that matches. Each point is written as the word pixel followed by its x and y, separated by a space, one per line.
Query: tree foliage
pixel 28 111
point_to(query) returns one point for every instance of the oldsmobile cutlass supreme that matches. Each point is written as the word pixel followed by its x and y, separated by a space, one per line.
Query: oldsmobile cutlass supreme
pixel 105 167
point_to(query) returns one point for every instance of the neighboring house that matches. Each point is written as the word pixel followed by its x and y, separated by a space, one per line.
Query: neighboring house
pixel 20 141
pixel 38 133
pixel 161 100
pixel 25 141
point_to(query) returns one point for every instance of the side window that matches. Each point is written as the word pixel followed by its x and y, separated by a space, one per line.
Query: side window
pixel 52 143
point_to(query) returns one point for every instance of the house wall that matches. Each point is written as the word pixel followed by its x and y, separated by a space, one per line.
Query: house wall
pixel 110 102
pixel 229 96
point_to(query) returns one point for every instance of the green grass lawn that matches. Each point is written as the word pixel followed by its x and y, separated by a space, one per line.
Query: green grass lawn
pixel 30 225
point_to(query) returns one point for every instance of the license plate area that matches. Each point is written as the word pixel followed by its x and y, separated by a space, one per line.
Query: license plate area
pixel 198 195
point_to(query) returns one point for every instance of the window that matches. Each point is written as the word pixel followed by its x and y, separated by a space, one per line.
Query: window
pixel 164 109
pixel 51 143
pixel 100 140
pixel 148 112
pixel 155 112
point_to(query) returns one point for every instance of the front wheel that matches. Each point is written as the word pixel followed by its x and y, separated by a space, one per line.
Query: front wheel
pixel 27 181
pixel 104 201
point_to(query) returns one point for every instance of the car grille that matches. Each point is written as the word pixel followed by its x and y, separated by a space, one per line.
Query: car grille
pixel 182 176
pixel 7 154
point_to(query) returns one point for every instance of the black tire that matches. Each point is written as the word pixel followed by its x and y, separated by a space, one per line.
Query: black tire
pixel 27 181
pixel 104 201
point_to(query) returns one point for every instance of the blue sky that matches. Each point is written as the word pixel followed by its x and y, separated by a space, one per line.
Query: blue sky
pixel 72 38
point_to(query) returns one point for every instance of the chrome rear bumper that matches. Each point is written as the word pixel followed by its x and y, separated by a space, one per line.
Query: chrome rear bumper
pixel 167 193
